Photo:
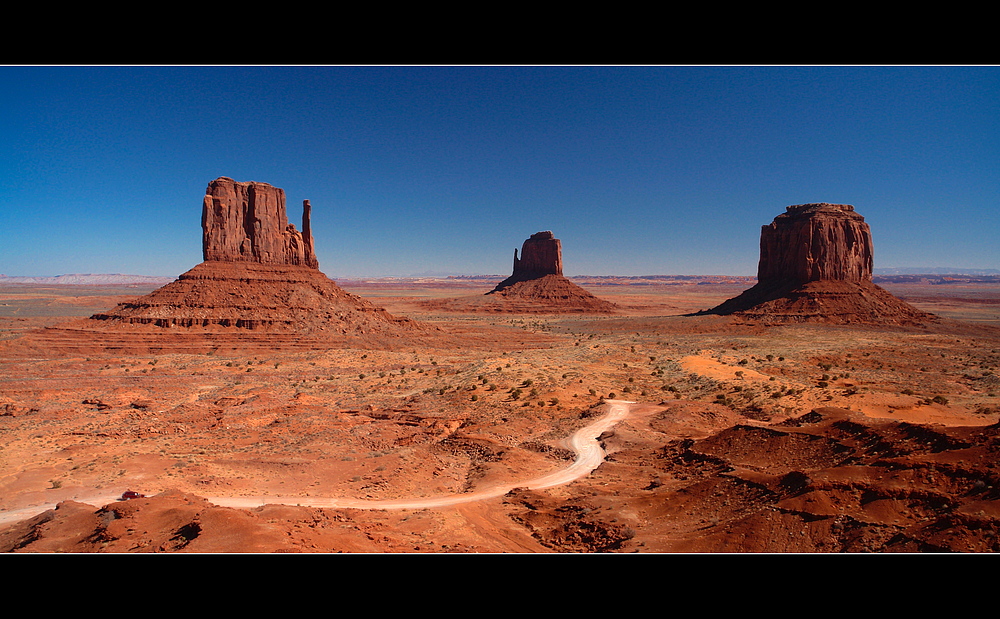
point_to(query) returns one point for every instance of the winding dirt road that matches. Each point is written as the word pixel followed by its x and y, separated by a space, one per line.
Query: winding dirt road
pixel 589 456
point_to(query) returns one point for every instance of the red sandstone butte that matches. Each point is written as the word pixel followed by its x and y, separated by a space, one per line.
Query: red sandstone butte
pixel 816 265
pixel 259 275
pixel 247 222
pixel 538 284
pixel 541 254
pixel 815 242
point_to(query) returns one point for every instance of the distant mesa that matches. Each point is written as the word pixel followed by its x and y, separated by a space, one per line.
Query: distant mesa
pixel 816 265
pixel 541 255
pixel 538 284
pixel 259 283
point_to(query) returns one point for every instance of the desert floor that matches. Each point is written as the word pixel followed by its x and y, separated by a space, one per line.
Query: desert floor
pixel 802 438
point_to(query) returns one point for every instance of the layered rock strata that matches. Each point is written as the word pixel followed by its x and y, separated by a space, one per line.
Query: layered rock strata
pixel 217 295
pixel 816 265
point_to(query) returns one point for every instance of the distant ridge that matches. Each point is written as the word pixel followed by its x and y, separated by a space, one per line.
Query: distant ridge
pixel 158 280
pixel 89 279
pixel 933 271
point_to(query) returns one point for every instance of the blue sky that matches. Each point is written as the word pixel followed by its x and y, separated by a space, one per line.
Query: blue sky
pixel 638 169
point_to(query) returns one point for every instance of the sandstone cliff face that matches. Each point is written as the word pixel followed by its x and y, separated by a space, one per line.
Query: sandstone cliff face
pixel 541 255
pixel 247 222
pixel 815 242
pixel 816 266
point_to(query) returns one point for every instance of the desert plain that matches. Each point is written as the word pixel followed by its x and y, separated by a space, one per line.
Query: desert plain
pixel 743 438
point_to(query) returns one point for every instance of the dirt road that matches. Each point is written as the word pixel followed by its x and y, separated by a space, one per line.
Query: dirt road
pixel 589 456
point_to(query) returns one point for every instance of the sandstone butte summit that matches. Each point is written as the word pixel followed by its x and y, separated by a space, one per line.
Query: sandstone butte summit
pixel 538 284
pixel 259 277
pixel 816 266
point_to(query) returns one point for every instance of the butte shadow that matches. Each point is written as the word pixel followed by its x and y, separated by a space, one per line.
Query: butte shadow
pixel 816 266
pixel 536 286
pixel 259 287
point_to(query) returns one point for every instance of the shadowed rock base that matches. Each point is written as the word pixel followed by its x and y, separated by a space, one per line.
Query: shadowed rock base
pixel 552 293
pixel 834 302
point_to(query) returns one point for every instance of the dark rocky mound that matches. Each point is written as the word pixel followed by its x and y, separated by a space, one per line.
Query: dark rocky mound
pixel 831 481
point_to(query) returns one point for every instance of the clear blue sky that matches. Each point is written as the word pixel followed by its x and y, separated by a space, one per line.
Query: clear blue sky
pixel 639 170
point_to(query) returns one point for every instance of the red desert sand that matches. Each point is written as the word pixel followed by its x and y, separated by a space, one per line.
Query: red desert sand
pixel 259 407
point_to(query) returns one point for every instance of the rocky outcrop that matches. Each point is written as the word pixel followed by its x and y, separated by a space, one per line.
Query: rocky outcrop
pixel 815 242
pixel 541 255
pixel 538 285
pixel 816 266
pixel 247 222
pixel 260 276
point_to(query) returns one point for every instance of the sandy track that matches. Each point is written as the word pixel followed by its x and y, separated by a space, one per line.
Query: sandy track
pixel 589 456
